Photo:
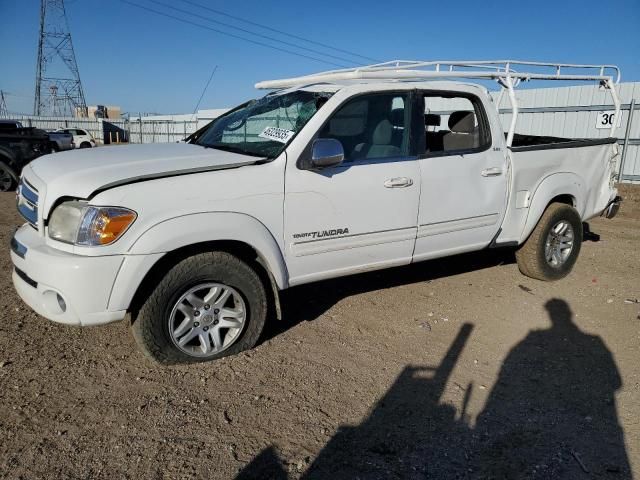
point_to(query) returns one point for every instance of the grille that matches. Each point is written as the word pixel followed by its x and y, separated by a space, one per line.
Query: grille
pixel 28 202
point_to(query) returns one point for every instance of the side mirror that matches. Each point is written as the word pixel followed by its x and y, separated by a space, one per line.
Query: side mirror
pixel 326 152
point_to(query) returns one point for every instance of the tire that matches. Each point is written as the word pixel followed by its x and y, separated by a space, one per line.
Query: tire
pixel 85 145
pixel 539 256
pixel 161 314
pixel 54 148
pixel 7 178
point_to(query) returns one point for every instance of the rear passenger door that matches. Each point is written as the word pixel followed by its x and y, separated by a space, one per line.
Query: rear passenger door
pixel 463 172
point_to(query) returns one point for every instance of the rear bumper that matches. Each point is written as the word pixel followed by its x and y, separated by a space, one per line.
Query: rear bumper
pixel 612 208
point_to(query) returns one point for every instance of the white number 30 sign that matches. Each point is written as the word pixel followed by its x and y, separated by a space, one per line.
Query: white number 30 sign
pixel 606 119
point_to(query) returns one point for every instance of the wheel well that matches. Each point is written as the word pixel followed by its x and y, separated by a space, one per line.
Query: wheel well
pixel 241 250
pixel 565 198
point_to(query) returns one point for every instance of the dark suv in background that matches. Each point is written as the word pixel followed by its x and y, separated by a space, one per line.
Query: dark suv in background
pixel 20 145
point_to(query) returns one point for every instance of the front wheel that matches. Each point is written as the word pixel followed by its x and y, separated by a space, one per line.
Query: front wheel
pixel 206 307
pixel 553 247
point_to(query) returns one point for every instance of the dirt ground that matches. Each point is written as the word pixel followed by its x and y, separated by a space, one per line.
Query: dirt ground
pixel 457 368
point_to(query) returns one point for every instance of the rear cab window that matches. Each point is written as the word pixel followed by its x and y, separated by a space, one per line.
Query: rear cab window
pixel 454 124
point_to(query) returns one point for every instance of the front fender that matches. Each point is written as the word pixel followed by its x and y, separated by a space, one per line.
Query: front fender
pixel 556 184
pixel 186 230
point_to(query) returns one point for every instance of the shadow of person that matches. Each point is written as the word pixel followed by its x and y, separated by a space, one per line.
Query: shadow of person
pixel 266 465
pixel 552 411
pixel 550 415
pixel 409 433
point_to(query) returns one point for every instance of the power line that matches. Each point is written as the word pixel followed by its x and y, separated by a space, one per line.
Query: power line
pixel 266 37
pixel 195 110
pixel 266 27
pixel 11 94
pixel 255 42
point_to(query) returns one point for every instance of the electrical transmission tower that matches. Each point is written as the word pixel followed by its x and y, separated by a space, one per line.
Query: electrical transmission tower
pixel 4 113
pixel 58 88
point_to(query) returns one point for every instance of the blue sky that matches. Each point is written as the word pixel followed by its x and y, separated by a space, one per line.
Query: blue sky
pixel 149 63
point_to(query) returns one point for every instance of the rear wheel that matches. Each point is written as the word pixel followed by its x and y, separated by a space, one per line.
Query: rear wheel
pixel 85 145
pixel 552 249
pixel 206 307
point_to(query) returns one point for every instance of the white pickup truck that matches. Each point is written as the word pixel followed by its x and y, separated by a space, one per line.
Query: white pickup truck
pixel 327 175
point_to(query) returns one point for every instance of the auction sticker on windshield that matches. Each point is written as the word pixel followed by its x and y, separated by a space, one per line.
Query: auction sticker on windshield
pixel 281 135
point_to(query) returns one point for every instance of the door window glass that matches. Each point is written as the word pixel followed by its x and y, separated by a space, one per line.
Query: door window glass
pixel 452 124
pixel 371 127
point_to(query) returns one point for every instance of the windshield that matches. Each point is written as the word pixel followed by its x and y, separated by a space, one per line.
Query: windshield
pixel 262 127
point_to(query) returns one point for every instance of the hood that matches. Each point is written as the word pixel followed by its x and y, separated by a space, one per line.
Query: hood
pixel 80 173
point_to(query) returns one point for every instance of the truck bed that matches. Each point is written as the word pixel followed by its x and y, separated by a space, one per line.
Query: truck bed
pixel 543 167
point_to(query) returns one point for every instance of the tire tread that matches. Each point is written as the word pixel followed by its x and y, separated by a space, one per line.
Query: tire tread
pixel 530 256
pixel 146 327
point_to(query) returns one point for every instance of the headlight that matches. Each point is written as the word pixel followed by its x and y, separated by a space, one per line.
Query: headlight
pixel 81 224
pixel 65 220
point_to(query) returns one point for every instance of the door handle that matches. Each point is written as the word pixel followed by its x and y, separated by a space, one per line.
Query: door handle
pixel 398 182
pixel 491 172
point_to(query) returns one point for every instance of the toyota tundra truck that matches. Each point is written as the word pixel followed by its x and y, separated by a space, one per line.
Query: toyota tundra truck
pixel 327 175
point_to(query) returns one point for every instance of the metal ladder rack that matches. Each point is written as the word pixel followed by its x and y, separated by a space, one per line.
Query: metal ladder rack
pixel 507 73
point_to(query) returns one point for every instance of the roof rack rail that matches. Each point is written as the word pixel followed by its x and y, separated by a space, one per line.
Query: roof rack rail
pixel 482 69
pixel 508 73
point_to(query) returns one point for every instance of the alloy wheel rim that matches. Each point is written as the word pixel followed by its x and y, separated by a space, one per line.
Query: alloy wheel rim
pixel 559 244
pixel 207 319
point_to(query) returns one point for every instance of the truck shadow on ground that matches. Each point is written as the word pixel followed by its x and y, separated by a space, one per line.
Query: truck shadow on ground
pixel 550 414
pixel 308 302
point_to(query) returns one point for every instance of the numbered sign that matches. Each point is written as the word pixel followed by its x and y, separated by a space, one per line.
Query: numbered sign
pixel 606 119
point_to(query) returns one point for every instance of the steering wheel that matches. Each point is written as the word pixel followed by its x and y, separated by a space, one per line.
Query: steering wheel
pixel 237 125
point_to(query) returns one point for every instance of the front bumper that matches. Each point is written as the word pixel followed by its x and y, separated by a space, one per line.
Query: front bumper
pixel 61 286
pixel 612 208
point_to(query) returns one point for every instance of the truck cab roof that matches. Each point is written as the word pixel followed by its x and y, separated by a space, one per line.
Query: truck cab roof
pixel 354 86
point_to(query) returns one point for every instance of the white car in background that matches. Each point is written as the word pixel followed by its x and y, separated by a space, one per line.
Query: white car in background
pixel 82 138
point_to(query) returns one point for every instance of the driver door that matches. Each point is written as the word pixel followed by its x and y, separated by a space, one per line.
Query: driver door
pixel 362 214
